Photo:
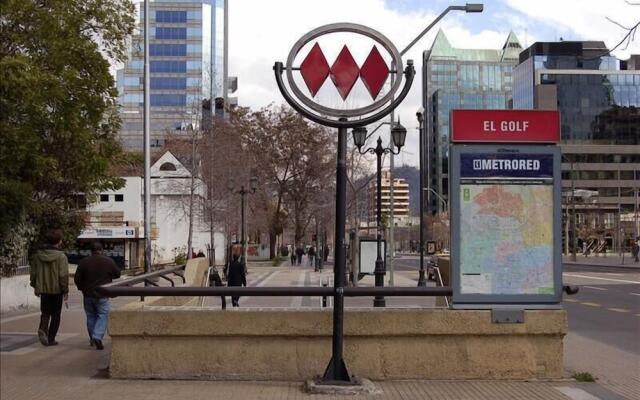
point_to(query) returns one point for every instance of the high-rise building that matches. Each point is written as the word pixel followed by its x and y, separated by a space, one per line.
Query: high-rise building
pixel 400 200
pixel 186 68
pixel 459 78
pixel 598 97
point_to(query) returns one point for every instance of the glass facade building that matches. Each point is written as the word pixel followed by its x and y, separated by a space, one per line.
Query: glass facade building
pixel 186 45
pixel 598 97
pixel 459 78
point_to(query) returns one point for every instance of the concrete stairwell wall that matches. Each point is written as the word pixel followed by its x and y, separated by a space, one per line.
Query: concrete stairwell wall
pixel 179 343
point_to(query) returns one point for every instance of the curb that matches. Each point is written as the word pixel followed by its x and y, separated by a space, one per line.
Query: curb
pixel 602 265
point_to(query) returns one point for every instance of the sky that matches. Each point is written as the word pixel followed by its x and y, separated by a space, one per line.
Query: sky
pixel 262 32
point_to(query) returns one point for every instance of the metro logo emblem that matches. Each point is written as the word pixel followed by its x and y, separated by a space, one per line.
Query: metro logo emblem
pixel 344 72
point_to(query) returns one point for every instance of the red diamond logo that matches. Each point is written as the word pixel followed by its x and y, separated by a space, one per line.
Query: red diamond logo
pixel 314 69
pixel 374 72
pixel 344 72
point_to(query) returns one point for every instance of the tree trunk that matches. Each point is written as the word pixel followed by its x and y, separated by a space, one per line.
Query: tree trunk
pixel 191 191
pixel 272 244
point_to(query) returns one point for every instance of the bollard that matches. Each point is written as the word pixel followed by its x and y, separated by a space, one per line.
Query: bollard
pixel 324 298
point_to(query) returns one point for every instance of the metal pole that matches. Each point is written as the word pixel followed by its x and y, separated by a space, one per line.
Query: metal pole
pixel 225 51
pixel 316 263
pixel 573 215
pixel 242 232
pixel 337 370
pixel 147 145
pixel 379 271
pixel 392 244
pixel 635 212
pixel 422 281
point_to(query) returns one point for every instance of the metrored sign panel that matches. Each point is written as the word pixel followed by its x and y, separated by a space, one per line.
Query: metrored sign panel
pixel 505 126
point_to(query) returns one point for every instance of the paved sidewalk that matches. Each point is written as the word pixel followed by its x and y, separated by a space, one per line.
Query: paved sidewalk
pixel 609 260
pixel 73 370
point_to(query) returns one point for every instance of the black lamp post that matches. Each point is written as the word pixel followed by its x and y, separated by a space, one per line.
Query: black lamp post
pixel 253 185
pixel 422 280
pixel 399 134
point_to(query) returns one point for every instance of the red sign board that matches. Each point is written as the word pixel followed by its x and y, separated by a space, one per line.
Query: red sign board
pixel 505 126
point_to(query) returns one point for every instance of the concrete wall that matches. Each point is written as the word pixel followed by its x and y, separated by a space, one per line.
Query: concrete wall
pixel 175 343
pixel 17 294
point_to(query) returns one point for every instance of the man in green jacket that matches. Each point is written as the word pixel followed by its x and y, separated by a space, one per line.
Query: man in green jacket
pixel 50 279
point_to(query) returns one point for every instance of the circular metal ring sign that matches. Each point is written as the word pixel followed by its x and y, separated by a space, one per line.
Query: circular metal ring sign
pixel 344 71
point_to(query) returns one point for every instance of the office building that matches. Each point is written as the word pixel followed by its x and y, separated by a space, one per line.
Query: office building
pixel 459 78
pixel 186 68
pixel 598 97
pixel 401 215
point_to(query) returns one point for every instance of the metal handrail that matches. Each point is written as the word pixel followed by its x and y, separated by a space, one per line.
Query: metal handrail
pixel 146 277
pixel 112 290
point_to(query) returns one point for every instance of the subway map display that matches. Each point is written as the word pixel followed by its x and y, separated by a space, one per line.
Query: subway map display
pixel 506 238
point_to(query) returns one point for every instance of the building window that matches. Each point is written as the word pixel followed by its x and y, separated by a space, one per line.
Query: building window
pixel 119 197
pixel 170 50
pixel 167 167
pixel 168 100
pixel 169 83
pixel 169 66
pixel 171 16
pixel 104 198
pixel 171 33
pixel 134 98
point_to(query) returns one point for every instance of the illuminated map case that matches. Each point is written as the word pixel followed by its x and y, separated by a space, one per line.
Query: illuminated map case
pixel 505 203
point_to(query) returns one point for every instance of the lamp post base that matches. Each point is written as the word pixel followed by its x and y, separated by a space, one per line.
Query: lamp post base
pixel 379 273
pixel 422 280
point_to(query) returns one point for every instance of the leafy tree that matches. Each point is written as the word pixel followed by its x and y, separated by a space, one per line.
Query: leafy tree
pixel 291 157
pixel 59 115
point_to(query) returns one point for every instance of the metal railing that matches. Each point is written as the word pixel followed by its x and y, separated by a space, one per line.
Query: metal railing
pixel 126 288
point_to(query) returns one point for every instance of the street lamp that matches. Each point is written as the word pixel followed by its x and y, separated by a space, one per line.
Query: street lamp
pixel 253 186
pixel 469 8
pixel 398 134
pixel 422 280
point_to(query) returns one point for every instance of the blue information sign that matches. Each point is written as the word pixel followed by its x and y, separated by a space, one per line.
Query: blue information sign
pixel 501 165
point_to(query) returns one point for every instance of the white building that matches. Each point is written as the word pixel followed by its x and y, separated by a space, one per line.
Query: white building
pixel 400 200
pixel 117 218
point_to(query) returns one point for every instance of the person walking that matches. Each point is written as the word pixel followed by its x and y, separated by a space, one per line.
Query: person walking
pixel 49 277
pixel 216 280
pixel 635 249
pixel 293 255
pixel 93 271
pixel 312 255
pixel 299 254
pixel 237 275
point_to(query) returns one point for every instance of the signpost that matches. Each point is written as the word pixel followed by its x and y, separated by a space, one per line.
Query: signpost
pixel 368 253
pixel 314 70
pixel 505 209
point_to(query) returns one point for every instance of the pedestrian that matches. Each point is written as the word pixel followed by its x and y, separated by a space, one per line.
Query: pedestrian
pixel 293 255
pixel 216 280
pixel 237 275
pixel 312 255
pixel 299 254
pixel 635 249
pixel 93 271
pixel 49 277
pixel 325 252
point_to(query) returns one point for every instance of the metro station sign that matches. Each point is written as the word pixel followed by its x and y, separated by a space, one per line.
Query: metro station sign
pixel 505 126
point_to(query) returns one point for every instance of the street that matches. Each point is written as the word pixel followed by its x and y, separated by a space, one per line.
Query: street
pixel 604 323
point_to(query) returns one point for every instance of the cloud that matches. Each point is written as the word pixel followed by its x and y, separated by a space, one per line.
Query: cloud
pixel 262 32
pixel 584 19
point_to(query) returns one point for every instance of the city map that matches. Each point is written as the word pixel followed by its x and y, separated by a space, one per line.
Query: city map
pixel 506 236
